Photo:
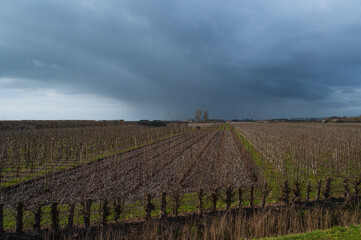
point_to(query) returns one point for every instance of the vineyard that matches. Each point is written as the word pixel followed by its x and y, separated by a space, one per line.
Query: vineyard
pixel 31 152
pixel 307 152
pixel 133 176
pixel 180 164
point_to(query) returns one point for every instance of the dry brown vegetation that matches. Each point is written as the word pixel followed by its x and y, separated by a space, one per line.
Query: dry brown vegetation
pixel 307 164
pixel 198 160
pixel 304 151
pixel 202 161
pixel 237 225
pixel 27 151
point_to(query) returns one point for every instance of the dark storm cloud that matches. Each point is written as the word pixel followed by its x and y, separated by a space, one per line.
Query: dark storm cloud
pixel 234 58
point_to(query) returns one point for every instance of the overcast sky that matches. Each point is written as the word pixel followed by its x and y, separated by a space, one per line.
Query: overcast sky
pixel 164 59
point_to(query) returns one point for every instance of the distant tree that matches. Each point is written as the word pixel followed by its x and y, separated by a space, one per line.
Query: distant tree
pixel 205 115
pixel 198 114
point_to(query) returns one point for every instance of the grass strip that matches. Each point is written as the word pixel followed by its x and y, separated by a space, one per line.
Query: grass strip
pixel 347 233
pixel 268 170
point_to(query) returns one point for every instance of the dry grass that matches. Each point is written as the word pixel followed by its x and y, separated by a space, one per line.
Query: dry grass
pixel 233 225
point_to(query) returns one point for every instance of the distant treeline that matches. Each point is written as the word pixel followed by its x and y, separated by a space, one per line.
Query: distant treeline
pixel 243 120
pixel 56 124
pixel 338 119
pixel 52 124
pixel 154 123
pixel 333 119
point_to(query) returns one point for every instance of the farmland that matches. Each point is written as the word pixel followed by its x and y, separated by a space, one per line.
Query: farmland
pixel 308 152
pixel 134 176
pixel 180 164
pixel 27 152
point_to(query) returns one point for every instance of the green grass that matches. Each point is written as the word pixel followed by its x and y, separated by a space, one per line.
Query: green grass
pixel 347 233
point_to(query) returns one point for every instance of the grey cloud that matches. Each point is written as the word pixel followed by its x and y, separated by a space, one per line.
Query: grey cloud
pixel 177 56
pixel 40 64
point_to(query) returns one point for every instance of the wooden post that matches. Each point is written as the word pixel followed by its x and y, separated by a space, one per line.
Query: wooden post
pixel 346 189
pixel 285 192
pixel 251 197
pixel 71 215
pixel 356 184
pixel 297 191
pixel 200 202
pixel 19 217
pixel 55 216
pixel 265 191
pixel 106 212
pixel 229 196
pixel 86 213
pixel 308 190
pixel 149 206
pixel 1 217
pixel 240 193
pixel 319 184
pixel 118 207
pixel 37 224
pixel 163 205
pixel 327 190
pixel 176 204
pixel 214 196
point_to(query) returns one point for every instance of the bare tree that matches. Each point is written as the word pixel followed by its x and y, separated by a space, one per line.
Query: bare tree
pixel 205 115
pixel 198 114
